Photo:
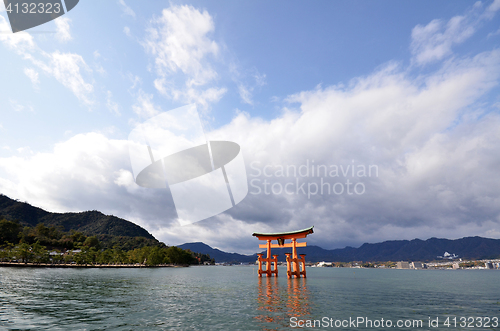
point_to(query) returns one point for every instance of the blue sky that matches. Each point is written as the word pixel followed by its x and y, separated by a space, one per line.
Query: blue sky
pixel 411 87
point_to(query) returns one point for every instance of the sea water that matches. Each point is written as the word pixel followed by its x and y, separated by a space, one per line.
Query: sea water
pixel 234 298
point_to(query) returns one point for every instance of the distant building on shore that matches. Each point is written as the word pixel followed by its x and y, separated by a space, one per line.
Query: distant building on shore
pixel 417 265
pixel 402 265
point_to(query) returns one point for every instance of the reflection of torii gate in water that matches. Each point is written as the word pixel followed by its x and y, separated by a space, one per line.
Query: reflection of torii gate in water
pixel 292 263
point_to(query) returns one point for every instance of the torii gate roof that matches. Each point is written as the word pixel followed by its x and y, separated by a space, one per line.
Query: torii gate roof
pixel 285 235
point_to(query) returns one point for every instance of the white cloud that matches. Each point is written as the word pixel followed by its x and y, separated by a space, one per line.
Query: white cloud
pixel 245 94
pixel 112 106
pixel 19 42
pixel 203 97
pixel 126 9
pixel 246 90
pixel 260 79
pixel 247 81
pixel 430 44
pixel 144 106
pixel 124 178
pixel 83 162
pixel 492 34
pixel 492 8
pixel 180 43
pixel 16 106
pixel 437 160
pixel 100 69
pixel 435 40
pixel 33 76
pixel 63 33
pixel 126 30
pixel 25 150
pixel 65 67
pixel 136 80
pixel 431 176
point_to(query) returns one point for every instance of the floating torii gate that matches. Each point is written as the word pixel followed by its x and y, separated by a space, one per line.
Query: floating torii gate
pixel 292 263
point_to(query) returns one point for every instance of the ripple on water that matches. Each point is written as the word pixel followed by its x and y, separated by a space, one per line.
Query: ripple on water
pixel 232 298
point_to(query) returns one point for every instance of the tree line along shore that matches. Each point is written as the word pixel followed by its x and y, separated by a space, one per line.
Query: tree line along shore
pixel 49 246
pixel 94 265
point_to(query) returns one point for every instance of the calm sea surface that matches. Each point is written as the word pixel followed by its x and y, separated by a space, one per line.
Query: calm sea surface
pixel 234 298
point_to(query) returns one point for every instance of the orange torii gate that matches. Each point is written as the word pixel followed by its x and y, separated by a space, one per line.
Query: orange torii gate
pixel 292 263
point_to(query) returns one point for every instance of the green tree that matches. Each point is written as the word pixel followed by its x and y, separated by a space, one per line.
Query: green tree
pixel 9 231
pixel 4 253
pixel 8 251
pixel 156 256
pixel 77 237
pixel 105 256
pixel 23 252
pixel 58 257
pixel 39 253
pixel 137 255
pixel 119 256
pixel 68 258
pixel 41 231
pixel 179 256
pixel 79 258
pixel 91 255
pixel 92 242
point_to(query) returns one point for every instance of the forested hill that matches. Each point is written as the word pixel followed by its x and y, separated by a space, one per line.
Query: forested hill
pixel 93 223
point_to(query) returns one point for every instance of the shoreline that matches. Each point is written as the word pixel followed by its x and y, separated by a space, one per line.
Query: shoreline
pixel 69 265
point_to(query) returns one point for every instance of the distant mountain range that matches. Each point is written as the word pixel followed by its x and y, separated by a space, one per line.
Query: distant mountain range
pixel 91 223
pixel 217 254
pixel 395 250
